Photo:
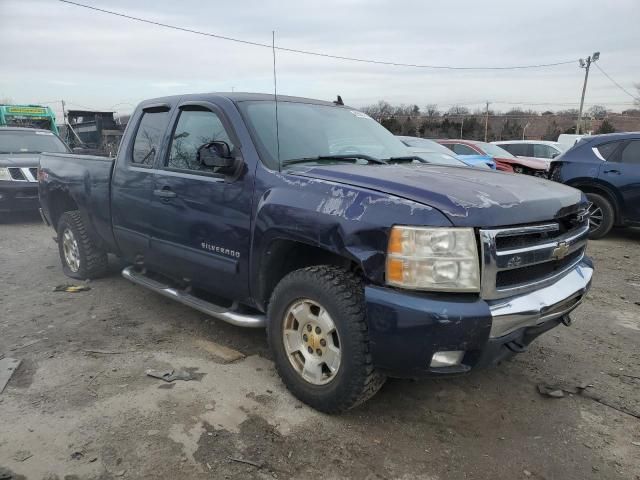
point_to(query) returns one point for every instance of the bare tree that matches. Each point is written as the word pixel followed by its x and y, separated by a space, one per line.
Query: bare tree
pixel 431 110
pixel 380 110
pixel 458 110
pixel 573 112
pixel 403 110
pixel 598 112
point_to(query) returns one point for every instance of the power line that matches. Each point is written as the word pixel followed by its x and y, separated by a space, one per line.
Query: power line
pixel 307 52
pixel 617 84
pixel 561 103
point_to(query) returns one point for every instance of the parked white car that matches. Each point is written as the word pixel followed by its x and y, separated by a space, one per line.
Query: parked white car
pixel 568 140
pixel 533 148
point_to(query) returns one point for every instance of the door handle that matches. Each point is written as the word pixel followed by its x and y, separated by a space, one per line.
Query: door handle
pixel 164 193
pixel 615 172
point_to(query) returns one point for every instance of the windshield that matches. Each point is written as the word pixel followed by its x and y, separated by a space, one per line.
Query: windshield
pixel 309 131
pixel 14 141
pixel 425 145
pixel 439 158
pixel 494 150
pixel 28 122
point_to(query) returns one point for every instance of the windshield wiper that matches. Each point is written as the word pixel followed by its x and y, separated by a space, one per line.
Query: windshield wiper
pixel 408 158
pixel 346 157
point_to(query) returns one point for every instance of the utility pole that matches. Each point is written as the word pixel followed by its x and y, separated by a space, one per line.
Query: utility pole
pixel 64 113
pixel 486 123
pixel 461 125
pixel 586 64
pixel 524 130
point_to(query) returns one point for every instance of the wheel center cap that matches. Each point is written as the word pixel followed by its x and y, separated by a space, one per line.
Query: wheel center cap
pixel 314 341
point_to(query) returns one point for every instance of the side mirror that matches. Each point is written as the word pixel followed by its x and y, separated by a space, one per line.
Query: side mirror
pixel 554 155
pixel 216 154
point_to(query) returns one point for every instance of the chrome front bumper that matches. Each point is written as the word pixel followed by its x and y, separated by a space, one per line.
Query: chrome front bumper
pixel 540 306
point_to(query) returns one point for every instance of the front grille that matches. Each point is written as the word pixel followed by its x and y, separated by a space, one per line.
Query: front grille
pixel 520 259
pixel 24 174
pixel 16 174
pixel 519 276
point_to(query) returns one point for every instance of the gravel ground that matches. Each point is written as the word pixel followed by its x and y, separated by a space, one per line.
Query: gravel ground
pixel 81 407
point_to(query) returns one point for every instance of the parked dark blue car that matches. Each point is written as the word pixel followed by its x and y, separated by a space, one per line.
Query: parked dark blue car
pixel 607 169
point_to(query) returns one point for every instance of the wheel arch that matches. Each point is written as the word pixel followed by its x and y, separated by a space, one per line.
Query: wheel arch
pixel 603 190
pixel 284 256
pixel 60 201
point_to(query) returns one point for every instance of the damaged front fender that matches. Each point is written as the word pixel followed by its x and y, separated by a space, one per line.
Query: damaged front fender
pixel 348 221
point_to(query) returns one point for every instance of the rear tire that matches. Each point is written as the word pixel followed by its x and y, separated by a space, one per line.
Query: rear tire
pixel 602 216
pixel 333 299
pixel 80 256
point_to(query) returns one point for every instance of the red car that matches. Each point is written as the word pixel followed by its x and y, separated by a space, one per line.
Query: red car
pixel 504 160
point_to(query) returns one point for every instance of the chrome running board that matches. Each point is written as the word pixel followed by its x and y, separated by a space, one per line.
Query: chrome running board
pixel 228 315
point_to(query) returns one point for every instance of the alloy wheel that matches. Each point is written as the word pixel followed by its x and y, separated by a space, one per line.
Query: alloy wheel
pixel 311 342
pixel 70 250
pixel 595 217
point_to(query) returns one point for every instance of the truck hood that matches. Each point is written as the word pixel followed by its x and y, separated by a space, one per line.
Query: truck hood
pixel 469 197
pixel 19 160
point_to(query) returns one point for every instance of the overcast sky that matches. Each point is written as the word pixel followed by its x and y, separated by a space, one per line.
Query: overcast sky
pixel 51 50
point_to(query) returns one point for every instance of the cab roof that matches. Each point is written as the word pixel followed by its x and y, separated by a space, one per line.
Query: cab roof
pixel 237 97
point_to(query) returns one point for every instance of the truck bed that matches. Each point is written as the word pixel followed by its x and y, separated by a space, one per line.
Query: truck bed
pixel 86 179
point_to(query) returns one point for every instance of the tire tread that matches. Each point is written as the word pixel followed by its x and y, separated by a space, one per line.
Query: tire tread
pixel 93 260
pixel 347 291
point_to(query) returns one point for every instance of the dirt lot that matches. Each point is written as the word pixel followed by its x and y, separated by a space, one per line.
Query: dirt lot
pixel 81 407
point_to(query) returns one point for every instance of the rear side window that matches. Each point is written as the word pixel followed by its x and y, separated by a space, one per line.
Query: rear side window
pixel 607 150
pixel 631 153
pixel 461 149
pixel 149 137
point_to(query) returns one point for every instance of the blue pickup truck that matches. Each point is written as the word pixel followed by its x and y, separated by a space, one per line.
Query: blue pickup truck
pixel 312 220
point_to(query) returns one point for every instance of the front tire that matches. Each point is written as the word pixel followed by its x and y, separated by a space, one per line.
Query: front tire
pixel 601 216
pixel 81 257
pixel 318 335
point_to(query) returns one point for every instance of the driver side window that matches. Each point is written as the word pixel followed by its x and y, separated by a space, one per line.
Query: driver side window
pixel 194 129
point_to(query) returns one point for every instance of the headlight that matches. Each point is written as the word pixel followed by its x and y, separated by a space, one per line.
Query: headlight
pixel 423 258
pixel 4 174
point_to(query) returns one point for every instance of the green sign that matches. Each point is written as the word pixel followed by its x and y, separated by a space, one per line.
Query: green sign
pixel 26 110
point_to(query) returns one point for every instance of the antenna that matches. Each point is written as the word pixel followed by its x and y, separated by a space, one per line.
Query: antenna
pixel 275 94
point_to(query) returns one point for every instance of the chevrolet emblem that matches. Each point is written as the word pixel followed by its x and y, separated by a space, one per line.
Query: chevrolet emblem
pixel 560 251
